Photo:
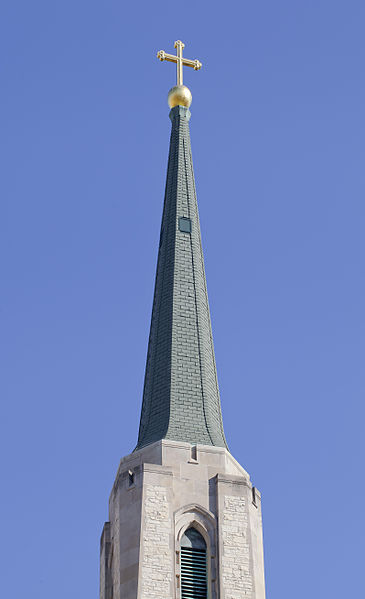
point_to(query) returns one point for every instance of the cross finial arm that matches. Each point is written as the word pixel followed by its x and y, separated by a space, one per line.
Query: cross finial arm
pixel 179 60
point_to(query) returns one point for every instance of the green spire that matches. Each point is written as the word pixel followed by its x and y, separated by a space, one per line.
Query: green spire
pixel 181 396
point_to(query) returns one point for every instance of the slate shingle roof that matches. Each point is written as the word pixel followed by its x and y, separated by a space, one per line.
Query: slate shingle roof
pixel 181 396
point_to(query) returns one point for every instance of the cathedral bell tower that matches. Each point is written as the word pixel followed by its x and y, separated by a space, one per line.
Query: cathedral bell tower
pixel 184 518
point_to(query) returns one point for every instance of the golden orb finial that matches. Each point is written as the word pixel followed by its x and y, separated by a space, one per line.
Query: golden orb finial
pixel 179 95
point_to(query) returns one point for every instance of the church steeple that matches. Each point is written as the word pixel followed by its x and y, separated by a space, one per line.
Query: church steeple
pixel 184 518
pixel 181 396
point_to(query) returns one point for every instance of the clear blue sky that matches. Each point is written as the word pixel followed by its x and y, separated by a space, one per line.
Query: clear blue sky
pixel 278 135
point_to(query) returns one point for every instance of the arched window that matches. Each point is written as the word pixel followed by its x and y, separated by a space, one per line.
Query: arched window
pixel 193 565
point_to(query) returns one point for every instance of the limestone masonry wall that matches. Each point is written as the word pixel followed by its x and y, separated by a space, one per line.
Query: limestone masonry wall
pixel 157 560
pixel 236 575
pixel 171 491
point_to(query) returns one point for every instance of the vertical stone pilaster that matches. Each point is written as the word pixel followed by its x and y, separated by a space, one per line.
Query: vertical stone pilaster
pixel 157 563
pixel 240 564
pixel 105 579
pixel 255 515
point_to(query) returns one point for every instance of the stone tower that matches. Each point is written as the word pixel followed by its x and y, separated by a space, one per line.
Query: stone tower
pixel 184 518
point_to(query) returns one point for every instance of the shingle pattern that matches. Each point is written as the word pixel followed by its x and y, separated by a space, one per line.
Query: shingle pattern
pixel 181 396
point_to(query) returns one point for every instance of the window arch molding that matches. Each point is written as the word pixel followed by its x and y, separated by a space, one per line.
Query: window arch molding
pixel 196 516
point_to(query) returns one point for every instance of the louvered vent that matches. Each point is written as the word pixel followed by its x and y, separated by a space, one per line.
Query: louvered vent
pixel 193 573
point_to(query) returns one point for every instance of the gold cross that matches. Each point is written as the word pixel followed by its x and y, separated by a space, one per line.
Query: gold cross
pixel 180 61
